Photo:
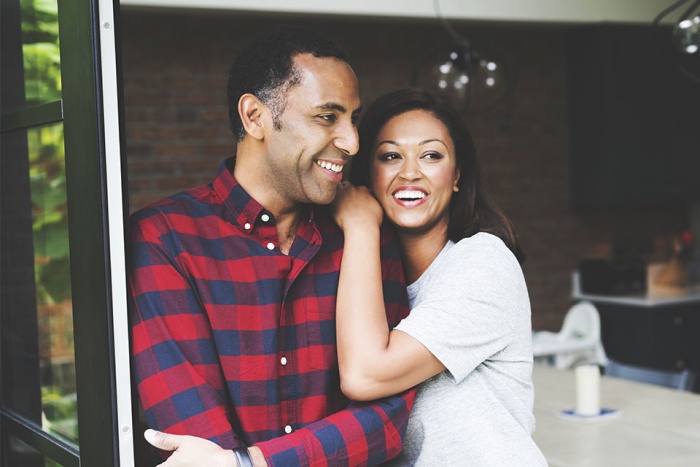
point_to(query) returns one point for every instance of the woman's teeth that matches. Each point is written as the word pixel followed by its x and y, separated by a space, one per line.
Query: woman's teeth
pixel 337 168
pixel 409 194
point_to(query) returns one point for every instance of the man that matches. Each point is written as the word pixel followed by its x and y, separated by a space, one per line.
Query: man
pixel 234 283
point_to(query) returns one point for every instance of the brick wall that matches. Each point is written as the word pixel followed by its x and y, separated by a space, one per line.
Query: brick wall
pixel 174 71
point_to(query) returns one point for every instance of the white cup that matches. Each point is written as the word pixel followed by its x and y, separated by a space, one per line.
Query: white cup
pixel 587 390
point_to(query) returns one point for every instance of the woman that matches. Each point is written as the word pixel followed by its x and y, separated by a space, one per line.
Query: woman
pixel 468 337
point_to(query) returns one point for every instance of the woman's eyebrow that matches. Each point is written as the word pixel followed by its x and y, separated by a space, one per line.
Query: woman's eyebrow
pixel 433 140
pixel 420 143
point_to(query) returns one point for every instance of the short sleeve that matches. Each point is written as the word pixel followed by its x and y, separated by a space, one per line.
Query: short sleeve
pixel 467 304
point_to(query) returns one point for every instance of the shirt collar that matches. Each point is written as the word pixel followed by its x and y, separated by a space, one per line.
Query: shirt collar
pixel 242 208
pixel 239 205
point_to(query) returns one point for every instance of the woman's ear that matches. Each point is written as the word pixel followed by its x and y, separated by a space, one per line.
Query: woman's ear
pixel 455 186
pixel 251 110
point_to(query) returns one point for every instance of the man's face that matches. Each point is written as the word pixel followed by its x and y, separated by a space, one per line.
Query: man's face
pixel 318 134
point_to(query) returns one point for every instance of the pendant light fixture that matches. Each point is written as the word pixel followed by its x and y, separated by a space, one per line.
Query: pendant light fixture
pixel 686 31
pixel 474 78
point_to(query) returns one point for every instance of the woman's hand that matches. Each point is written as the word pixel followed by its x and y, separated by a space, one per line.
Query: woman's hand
pixel 190 451
pixel 355 206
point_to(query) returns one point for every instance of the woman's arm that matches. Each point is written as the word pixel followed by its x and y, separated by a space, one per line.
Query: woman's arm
pixel 374 362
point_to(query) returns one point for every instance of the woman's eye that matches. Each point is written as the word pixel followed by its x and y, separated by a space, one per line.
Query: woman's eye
pixel 433 155
pixel 389 156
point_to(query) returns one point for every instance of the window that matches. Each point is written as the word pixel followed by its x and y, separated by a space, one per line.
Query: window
pixel 66 397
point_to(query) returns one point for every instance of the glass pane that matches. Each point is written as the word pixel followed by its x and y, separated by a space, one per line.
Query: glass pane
pixel 22 454
pixel 38 357
pixel 47 175
pixel 40 49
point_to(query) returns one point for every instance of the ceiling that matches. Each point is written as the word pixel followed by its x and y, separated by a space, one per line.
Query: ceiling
pixel 537 11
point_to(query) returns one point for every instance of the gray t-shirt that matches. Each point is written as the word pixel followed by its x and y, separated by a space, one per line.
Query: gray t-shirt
pixel 472 311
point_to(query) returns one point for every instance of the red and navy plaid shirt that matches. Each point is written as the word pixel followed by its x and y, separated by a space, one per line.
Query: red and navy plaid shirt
pixel 234 341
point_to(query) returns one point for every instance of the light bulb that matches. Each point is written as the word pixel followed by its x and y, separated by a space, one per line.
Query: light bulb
pixel 445 68
pixel 686 35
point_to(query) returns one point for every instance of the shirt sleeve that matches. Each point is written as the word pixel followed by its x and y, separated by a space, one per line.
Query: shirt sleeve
pixel 180 383
pixel 361 434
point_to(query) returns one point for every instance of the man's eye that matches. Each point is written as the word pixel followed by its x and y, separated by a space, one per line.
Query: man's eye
pixel 330 118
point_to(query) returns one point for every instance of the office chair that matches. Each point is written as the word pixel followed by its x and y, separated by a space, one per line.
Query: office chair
pixel 578 341
pixel 682 380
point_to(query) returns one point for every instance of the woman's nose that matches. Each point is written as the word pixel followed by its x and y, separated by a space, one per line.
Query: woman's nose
pixel 410 170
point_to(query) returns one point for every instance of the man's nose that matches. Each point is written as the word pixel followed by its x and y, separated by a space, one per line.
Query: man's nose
pixel 348 139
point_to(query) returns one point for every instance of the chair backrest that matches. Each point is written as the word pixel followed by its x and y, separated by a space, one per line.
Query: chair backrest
pixel 683 380
pixel 581 322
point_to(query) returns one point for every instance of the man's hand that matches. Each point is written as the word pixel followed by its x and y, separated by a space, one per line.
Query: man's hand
pixel 191 451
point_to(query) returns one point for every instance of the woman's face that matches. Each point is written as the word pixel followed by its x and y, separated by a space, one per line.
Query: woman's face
pixel 414 171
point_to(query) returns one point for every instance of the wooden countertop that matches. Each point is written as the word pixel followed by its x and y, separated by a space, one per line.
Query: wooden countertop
pixel 656 425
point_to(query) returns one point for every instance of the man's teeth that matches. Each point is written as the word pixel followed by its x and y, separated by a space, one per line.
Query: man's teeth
pixel 329 166
pixel 409 194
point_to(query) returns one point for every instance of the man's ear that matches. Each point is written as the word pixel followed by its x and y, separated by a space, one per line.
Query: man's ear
pixel 251 111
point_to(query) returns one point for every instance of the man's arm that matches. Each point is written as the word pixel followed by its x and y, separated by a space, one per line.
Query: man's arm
pixel 180 383
pixel 362 434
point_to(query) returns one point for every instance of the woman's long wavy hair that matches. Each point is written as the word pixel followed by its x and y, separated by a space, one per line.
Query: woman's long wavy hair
pixel 471 209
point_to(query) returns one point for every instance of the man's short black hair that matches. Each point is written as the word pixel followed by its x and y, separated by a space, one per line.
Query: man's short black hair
pixel 264 68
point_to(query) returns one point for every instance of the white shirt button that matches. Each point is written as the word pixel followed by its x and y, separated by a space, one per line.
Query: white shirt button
pixel 265 217
pixel 247 226
pixel 288 429
pixel 270 246
pixel 283 361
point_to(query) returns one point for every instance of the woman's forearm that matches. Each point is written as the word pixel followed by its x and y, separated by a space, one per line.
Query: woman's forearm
pixel 362 329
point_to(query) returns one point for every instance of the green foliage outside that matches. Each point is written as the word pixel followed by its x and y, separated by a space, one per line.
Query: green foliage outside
pixel 42 70
pixel 42 58
pixel 61 412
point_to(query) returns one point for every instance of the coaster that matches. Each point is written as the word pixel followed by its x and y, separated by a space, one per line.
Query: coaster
pixel 603 415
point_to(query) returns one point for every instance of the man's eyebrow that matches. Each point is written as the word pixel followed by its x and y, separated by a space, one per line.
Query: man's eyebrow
pixel 337 107
pixel 332 106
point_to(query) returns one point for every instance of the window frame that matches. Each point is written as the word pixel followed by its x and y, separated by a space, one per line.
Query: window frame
pixel 90 109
